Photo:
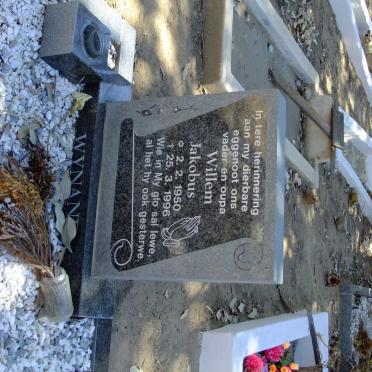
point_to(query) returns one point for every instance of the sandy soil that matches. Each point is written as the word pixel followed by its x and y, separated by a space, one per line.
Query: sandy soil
pixel 147 329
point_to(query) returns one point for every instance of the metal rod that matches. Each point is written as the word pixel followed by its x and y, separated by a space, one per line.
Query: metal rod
pixel 314 339
pixel 300 101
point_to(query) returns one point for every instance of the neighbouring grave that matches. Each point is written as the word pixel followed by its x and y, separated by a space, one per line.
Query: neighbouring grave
pixel 355 316
pixel 87 41
pixel 225 348
pixel 192 188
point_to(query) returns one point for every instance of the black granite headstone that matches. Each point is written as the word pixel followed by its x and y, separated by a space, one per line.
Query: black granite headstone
pixel 191 188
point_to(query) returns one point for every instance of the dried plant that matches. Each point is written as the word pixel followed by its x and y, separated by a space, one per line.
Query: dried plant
pixel 23 226
pixel 41 174
pixel 15 184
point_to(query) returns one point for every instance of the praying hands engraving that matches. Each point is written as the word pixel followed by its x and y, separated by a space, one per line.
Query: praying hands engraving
pixel 180 230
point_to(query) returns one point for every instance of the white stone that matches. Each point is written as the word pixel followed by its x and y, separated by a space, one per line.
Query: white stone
pixel 23 78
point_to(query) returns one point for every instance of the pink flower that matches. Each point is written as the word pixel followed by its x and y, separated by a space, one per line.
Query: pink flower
pixel 274 354
pixel 253 363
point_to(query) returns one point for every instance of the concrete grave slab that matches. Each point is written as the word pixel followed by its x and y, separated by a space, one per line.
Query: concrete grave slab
pixel 191 188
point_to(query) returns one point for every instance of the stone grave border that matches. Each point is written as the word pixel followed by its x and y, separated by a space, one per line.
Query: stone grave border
pixel 225 348
pixel 353 19
pixel 347 291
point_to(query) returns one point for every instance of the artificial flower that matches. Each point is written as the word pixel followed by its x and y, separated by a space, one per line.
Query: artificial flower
pixel 253 363
pixel 286 345
pixel 272 368
pixel 285 369
pixel 294 366
pixel 274 354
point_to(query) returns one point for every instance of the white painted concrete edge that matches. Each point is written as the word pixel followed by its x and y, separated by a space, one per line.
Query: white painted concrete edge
pixel 224 349
pixel 221 79
pixel 270 20
pixel 362 16
pixel 347 24
pixel 296 161
pixel 354 133
pixel 218 76
pixel 283 40
pixel 353 180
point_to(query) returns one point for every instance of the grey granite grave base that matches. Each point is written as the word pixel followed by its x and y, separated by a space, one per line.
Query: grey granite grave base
pixel 101 345
pixel 63 45
pixel 92 297
pixel 262 261
pixel 347 291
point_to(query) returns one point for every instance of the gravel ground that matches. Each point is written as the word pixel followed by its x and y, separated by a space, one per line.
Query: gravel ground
pixel 26 83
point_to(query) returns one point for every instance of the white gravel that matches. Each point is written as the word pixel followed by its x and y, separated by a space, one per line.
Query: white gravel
pixel 26 344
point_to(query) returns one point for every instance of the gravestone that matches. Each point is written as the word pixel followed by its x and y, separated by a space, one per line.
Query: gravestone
pixel 192 188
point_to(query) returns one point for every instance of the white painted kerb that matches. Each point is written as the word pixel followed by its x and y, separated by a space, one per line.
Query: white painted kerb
pixel 283 40
pixel 217 63
pixel 353 180
pixel 359 138
pixel 362 17
pixel 224 349
pixel 347 24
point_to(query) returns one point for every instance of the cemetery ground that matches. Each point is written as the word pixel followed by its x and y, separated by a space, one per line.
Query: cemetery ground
pixel 157 325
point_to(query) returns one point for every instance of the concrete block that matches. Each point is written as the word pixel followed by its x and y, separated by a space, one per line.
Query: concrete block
pixel 77 43
pixel 318 146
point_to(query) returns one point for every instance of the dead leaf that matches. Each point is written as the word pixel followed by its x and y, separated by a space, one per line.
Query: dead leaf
pixel 210 310
pixel 297 180
pixel 41 172
pixel 60 218
pixel 185 71
pixel 23 132
pixel 340 223
pixel 32 137
pixel 65 185
pixel 310 197
pixel 253 314
pixel 241 307
pixel 69 233
pixel 233 303
pixel 57 197
pixel 333 280
pixel 135 369
pixel 50 88
pixel 184 314
pixel 166 294
pixel 353 198
pixel 79 101
pixel 29 131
